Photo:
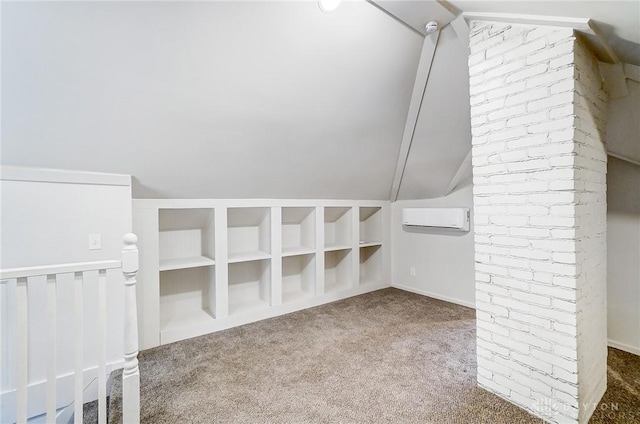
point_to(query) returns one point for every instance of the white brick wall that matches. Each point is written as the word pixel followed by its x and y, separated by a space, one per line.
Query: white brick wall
pixel 590 105
pixel 537 114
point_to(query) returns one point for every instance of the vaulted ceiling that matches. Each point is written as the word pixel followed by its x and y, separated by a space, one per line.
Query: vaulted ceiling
pixel 239 99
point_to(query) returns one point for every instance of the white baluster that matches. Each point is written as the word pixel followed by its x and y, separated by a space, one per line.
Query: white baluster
pixel 79 351
pixel 22 350
pixel 102 344
pixel 51 347
pixel 131 373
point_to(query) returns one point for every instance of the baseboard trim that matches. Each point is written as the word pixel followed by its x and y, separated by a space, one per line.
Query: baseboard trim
pixel 175 335
pixel 434 295
pixel 623 346
pixel 611 343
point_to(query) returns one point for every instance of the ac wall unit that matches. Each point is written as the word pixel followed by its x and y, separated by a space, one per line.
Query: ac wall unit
pixel 450 218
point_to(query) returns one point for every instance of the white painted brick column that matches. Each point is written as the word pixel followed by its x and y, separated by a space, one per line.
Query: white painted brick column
pixel 539 165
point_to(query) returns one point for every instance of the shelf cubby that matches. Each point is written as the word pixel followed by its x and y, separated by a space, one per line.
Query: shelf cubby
pixel 337 270
pixel 298 277
pixel 186 238
pixel 337 228
pixel 370 264
pixel 298 231
pixel 249 234
pixel 187 298
pixel 249 286
pixel 370 226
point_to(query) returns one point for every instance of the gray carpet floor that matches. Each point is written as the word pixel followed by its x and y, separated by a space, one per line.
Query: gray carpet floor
pixel 385 357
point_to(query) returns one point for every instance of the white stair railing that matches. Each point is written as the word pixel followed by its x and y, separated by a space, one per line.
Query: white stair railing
pixel 24 277
pixel 131 373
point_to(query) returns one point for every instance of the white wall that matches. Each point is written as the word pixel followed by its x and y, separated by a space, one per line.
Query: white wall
pixel 443 260
pixel 623 222
pixel 623 125
pixel 446 267
pixel 46 218
pixel 266 99
pixel 49 222
pixel 623 267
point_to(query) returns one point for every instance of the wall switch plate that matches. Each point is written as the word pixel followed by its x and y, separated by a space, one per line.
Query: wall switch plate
pixel 95 242
pixel 412 271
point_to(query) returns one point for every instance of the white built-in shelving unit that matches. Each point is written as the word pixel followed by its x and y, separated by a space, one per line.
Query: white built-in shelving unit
pixel 338 273
pixel 370 227
pixel 186 238
pixel 298 253
pixel 207 265
pixel 249 286
pixel 370 242
pixel 338 248
pixel 298 277
pixel 371 260
pixel 298 231
pixel 249 234
pixel 186 264
pixel 337 228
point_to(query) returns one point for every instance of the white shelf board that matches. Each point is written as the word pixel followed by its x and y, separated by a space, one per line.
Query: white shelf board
pixel 295 295
pixel 367 281
pixel 235 257
pixel 297 250
pixel 370 243
pixel 182 263
pixel 188 318
pixel 337 286
pixel 237 307
pixel 336 246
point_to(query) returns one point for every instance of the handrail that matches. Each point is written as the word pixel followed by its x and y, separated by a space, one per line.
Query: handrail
pixel 36 271
pixel 131 370
pixel 27 276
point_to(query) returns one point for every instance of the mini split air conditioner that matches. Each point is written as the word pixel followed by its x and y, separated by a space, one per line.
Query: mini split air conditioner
pixel 449 218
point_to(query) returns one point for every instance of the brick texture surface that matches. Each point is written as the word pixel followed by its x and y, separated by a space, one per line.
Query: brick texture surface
pixel 539 168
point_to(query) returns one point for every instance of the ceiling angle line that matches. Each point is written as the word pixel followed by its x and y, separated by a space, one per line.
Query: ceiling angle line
pixel 460 174
pixel 417 96
pixel 461 29
pixel 604 42
pixel 632 72
pixel 623 158
pixel 386 12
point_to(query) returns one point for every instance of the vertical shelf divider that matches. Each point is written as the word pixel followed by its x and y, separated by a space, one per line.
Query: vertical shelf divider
pixel 222 268
pixel 319 291
pixel 148 294
pixel 355 246
pixel 210 243
pixel 276 256
pixel 386 243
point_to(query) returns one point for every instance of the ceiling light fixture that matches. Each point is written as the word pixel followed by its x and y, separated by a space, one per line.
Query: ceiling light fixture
pixel 328 5
pixel 431 26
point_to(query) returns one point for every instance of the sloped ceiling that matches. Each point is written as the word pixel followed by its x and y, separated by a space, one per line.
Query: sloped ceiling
pixel 442 137
pixel 240 99
pixel 209 99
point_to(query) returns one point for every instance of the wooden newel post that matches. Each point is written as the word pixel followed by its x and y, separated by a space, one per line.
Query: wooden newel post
pixel 131 372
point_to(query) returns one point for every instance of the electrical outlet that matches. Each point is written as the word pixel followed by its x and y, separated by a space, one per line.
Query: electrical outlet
pixel 412 271
pixel 95 242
